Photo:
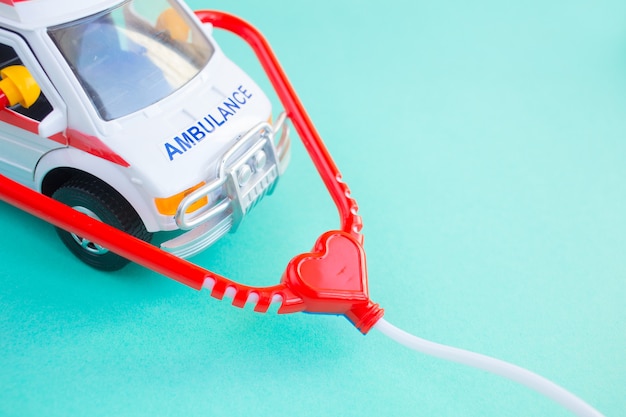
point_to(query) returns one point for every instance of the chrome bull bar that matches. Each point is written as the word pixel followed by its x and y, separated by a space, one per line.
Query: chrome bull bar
pixel 246 177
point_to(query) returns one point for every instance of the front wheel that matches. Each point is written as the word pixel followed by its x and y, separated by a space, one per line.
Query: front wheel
pixel 98 200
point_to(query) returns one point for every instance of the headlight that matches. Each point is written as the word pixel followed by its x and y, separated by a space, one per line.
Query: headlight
pixel 168 205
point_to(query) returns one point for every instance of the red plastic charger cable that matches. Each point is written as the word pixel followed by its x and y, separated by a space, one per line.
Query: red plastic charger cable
pixel 331 279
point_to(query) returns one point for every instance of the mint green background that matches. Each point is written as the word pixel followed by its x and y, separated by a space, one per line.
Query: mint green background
pixel 485 144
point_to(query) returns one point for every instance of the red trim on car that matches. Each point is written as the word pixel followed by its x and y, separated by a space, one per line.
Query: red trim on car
pixel 74 138
pixel 59 137
pixel 94 146
pixel 19 120
pixel 11 2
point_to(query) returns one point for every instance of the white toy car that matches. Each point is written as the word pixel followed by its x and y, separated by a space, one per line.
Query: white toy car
pixel 129 112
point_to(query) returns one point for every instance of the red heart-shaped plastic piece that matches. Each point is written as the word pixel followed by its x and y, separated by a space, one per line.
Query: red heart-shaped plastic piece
pixel 337 268
pixel 333 279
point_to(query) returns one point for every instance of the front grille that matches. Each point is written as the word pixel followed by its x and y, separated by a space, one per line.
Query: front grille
pixel 260 189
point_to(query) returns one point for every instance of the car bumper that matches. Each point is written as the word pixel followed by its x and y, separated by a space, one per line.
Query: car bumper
pixel 247 172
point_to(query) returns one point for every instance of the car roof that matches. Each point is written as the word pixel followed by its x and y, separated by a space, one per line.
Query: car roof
pixel 35 14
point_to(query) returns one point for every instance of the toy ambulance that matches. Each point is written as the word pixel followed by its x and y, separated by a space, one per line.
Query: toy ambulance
pixel 129 112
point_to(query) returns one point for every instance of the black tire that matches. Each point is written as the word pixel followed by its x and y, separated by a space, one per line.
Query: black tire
pixel 97 199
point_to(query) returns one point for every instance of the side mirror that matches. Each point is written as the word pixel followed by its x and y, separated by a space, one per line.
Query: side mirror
pixel 52 124
pixel 17 86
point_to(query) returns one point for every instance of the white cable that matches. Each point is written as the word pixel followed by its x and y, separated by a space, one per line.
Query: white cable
pixel 495 366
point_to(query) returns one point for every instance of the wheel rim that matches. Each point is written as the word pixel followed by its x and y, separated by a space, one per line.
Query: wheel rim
pixel 86 244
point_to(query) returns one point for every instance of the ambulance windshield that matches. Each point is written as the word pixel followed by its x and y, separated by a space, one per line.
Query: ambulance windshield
pixel 134 55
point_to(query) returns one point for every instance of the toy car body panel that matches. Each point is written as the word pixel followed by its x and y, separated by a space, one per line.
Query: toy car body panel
pixel 138 95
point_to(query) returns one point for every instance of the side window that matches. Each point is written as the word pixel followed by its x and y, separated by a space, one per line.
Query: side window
pixel 41 108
